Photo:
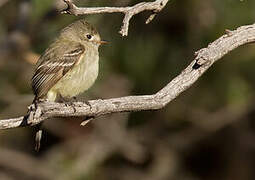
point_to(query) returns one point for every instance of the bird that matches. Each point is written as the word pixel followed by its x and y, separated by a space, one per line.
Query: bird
pixel 68 67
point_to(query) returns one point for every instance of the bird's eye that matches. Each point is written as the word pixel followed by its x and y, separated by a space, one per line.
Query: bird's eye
pixel 89 36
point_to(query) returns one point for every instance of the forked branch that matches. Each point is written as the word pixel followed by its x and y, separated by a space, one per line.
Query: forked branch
pixel 129 12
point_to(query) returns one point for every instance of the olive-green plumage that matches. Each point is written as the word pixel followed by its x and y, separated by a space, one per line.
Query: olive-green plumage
pixel 70 65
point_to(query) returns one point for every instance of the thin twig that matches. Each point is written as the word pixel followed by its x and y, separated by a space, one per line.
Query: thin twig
pixel 129 11
pixel 204 59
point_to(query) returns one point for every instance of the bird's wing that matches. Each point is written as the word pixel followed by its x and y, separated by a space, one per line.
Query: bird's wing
pixel 54 64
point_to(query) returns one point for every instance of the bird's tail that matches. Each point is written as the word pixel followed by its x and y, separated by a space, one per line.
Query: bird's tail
pixel 38 128
pixel 38 137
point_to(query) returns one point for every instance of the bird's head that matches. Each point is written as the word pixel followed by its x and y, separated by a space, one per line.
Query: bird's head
pixel 82 32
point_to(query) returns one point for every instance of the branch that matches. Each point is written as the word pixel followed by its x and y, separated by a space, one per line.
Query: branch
pixel 204 59
pixel 129 12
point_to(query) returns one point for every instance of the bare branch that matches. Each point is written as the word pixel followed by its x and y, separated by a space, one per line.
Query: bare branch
pixel 129 12
pixel 204 58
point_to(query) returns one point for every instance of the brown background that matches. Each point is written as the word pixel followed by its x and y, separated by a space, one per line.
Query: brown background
pixel 206 133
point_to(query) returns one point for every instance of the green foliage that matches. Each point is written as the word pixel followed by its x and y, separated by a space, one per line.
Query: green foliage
pixel 39 9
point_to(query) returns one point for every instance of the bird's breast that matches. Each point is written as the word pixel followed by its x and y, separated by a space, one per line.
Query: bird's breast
pixel 81 77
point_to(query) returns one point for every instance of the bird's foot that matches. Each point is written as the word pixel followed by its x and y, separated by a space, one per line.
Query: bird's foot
pixel 35 103
pixel 68 102
pixel 62 99
pixel 88 103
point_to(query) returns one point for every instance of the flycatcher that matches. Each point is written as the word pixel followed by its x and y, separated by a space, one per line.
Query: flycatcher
pixel 69 66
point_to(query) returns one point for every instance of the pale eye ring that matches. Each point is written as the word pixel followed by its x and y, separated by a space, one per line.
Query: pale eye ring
pixel 89 36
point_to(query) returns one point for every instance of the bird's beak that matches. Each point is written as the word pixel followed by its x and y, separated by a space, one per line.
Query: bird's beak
pixel 103 42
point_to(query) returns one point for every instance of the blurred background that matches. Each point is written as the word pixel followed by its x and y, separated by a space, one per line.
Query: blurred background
pixel 208 132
